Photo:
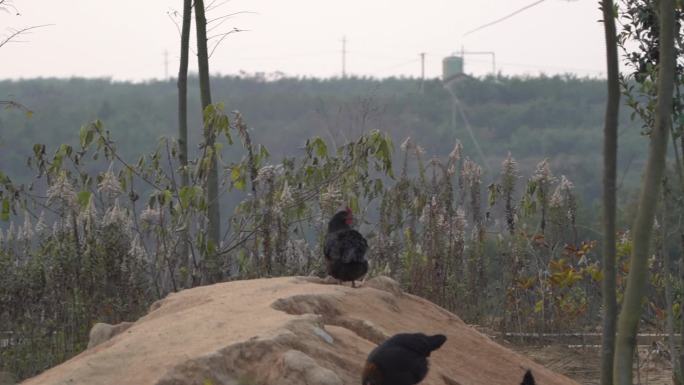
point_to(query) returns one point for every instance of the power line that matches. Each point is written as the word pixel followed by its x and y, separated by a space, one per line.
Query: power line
pixel 288 56
pixel 456 106
pixel 374 54
pixel 396 65
pixel 505 17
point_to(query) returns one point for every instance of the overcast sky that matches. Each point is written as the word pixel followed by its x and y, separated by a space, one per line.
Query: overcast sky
pixel 127 39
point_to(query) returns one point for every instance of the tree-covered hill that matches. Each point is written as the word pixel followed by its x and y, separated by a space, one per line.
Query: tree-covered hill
pixel 560 118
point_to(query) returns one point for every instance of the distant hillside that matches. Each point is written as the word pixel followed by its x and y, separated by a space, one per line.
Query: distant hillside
pixel 560 118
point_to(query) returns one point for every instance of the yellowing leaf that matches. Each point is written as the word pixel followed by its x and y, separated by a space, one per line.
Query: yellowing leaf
pixel 235 173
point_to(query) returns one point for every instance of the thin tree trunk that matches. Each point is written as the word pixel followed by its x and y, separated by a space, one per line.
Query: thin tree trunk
pixel 679 376
pixel 214 226
pixel 183 91
pixel 681 308
pixel 609 195
pixel 642 230
pixel 183 127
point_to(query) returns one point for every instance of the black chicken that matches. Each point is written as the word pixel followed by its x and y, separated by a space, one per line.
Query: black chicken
pixel 345 249
pixel 528 379
pixel 401 360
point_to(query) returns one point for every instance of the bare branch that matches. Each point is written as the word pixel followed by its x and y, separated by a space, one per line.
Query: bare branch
pixel 223 20
pixel 14 33
pixel 223 36
pixel 5 5
pixel 211 5
pixel 229 16
pixel 9 104
pixel 220 23
pixel 172 14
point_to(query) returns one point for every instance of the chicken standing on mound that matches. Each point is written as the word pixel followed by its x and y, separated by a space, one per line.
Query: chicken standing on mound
pixel 345 249
pixel 528 379
pixel 401 360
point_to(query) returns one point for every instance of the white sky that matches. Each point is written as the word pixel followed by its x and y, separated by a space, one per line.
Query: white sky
pixel 126 39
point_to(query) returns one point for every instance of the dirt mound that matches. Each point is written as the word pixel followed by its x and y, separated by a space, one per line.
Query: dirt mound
pixel 286 331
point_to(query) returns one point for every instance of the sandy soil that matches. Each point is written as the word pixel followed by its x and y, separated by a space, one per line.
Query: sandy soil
pixel 287 331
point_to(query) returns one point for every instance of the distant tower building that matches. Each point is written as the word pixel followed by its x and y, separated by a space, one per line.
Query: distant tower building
pixel 452 68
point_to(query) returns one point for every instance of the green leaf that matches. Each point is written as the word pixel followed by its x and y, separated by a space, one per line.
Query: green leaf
pixel 211 247
pixel 263 152
pixel 309 171
pixel 240 184
pixel 5 213
pixel 493 190
pixel 384 154
pixel 238 178
pixel 354 204
pixel 166 197
pixel 208 114
pixel 320 148
pixel 235 173
pixel 65 149
pixel 38 150
pixel 86 136
pixel 84 198
pixel 186 196
pixel 223 124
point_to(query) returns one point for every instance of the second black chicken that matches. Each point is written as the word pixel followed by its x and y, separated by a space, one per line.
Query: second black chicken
pixel 401 360
pixel 345 249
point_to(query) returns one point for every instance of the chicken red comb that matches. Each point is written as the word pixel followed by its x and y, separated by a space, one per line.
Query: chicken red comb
pixel 348 210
